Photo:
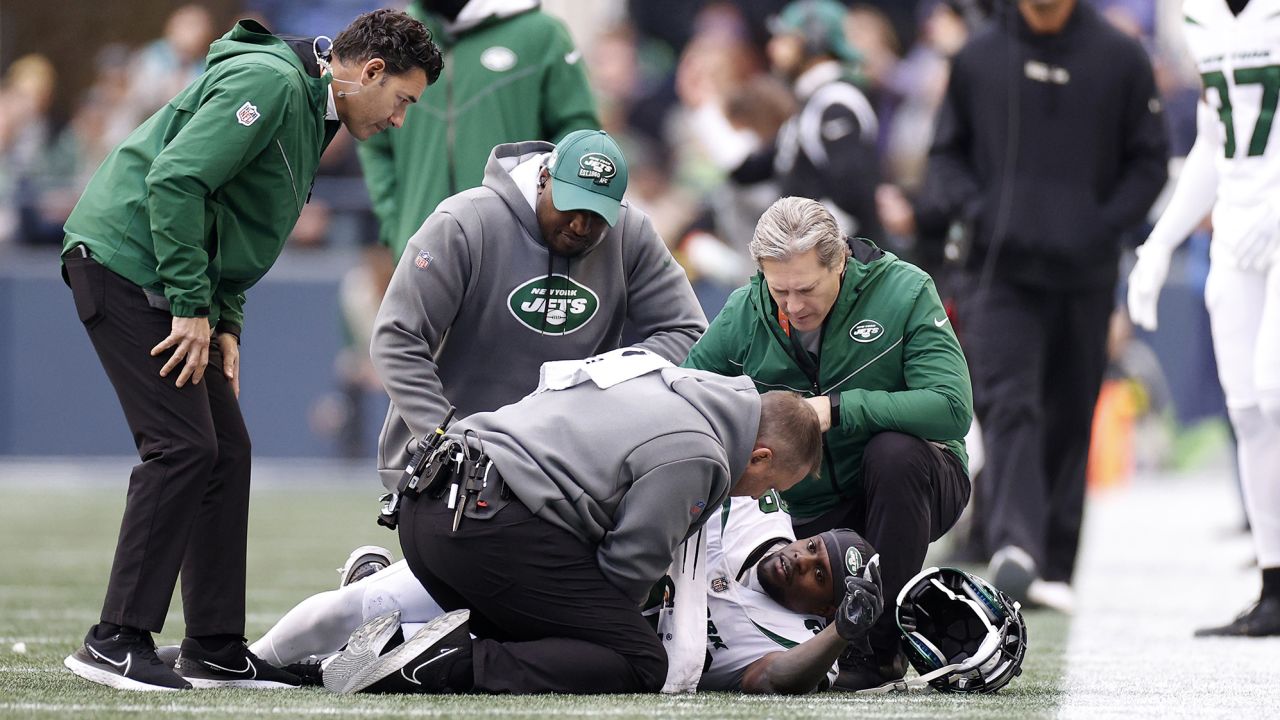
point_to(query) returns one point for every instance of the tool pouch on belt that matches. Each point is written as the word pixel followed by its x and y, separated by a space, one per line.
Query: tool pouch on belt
pixel 491 497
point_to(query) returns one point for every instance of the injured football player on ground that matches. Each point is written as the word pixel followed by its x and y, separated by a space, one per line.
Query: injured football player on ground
pixel 780 610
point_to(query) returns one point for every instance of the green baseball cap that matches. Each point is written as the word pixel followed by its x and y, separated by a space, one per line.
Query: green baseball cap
pixel 820 23
pixel 588 172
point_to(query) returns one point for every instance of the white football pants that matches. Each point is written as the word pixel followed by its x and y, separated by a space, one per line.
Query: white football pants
pixel 1244 314
pixel 321 624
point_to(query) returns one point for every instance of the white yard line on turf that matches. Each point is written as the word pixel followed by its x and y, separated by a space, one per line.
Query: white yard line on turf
pixel 1162 557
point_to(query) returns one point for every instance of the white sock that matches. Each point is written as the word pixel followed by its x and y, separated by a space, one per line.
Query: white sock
pixel 1258 443
pixel 319 625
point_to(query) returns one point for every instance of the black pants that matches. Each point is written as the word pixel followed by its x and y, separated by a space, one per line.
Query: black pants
pixel 914 491
pixel 188 502
pixel 1037 358
pixel 544 616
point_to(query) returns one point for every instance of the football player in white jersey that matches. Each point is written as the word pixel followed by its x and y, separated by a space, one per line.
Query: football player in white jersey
pixel 1234 170
pixel 770 599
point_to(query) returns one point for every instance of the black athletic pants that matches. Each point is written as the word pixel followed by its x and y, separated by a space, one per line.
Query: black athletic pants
pixel 1036 358
pixel 188 502
pixel 914 491
pixel 544 616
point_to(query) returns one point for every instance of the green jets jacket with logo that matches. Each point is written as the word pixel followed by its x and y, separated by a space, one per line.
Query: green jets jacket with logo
pixel 887 349
pixel 477 303
pixel 509 76
pixel 197 203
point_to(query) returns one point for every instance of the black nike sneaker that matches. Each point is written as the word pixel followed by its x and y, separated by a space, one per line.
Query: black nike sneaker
pixel 373 662
pixel 233 666
pixel 1260 620
pixel 125 661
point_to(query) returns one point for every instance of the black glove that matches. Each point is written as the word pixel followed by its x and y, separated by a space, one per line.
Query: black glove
pixel 862 604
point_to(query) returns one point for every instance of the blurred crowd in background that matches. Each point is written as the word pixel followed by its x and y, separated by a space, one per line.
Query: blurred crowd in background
pixel 688 89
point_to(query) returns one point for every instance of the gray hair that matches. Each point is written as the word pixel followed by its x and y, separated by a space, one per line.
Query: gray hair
pixel 794 226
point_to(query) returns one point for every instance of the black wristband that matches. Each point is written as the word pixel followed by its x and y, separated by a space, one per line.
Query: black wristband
pixel 835 409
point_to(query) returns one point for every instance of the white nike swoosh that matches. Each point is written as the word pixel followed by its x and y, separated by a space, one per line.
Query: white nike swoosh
pixel 413 676
pixel 249 667
pixel 573 57
pixel 124 664
pixel 940 323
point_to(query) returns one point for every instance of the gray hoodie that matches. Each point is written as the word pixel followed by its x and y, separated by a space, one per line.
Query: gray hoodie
pixel 478 303
pixel 634 468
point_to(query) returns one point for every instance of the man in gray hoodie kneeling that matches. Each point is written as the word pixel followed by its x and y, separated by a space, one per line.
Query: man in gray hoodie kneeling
pixel 584 490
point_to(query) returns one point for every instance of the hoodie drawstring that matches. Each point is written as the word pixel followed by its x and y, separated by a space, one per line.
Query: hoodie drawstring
pixel 546 301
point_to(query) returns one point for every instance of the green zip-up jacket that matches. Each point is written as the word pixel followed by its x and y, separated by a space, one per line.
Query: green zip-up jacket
pixel 197 202
pixel 511 76
pixel 887 349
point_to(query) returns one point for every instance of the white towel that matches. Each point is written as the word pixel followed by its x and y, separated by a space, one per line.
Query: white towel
pixel 605 370
pixel 682 622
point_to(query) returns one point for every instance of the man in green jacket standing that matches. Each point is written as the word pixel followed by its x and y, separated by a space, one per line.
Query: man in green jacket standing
pixel 864 336
pixel 184 216
pixel 512 74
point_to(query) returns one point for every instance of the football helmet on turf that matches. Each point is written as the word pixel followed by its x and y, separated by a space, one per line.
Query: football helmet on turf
pixel 959 632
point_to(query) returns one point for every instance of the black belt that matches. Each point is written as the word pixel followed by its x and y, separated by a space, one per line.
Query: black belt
pixel 155 299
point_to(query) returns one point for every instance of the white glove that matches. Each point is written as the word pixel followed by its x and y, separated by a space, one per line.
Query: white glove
pixel 1145 281
pixel 708 256
pixel 1257 244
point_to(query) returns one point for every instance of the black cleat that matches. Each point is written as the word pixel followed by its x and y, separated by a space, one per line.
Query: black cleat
pixel 124 661
pixel 364 561
pixel 373 663
pixel 231 667
pixel 168 654
pixel 309 671
pixel 1260 620
pixel 862 670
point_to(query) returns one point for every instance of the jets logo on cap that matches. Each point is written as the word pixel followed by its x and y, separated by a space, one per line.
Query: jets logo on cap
pixel 597 167
pixel 866 331
pixel 852 561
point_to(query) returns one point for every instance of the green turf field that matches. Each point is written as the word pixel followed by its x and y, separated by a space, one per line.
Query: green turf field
pixel 58 544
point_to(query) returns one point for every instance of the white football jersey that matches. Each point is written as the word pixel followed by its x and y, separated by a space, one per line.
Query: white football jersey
pixel 1239 63
pixel 744 623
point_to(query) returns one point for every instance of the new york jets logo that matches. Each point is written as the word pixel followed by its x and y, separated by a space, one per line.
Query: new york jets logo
pixel 598 167
pixel 852 561
pixel 866 331
pixel 553 305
